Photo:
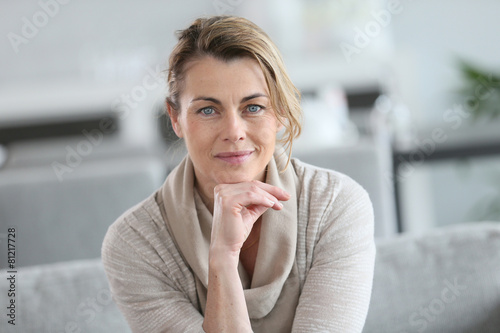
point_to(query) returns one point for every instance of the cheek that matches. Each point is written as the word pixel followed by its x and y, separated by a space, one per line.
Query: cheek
pixel 198 134
pixel 267 130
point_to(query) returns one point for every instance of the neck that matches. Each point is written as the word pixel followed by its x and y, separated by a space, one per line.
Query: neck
pixel 207 200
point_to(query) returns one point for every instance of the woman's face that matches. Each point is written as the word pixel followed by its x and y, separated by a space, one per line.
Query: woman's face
pixel 226 121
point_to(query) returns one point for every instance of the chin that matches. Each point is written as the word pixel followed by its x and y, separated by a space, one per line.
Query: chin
pixel 233 177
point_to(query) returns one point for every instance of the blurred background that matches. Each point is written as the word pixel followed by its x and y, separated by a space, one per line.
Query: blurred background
pixel 403 96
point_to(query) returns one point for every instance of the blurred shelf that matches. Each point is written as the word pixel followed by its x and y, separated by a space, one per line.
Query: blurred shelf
pixel 471 141
pixel 50 101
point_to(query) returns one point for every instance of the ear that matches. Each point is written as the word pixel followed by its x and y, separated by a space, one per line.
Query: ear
pixel 174 118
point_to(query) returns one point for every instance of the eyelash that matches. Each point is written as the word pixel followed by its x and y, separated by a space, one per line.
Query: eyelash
pixel 261 108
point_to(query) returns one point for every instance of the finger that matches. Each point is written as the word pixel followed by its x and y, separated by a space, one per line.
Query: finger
pixel 253 197
pixel 255 211
pixel 273 190
pixel 277 192
pixel 250 193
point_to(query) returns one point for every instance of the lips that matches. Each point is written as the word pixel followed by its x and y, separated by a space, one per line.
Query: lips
pixel 234 157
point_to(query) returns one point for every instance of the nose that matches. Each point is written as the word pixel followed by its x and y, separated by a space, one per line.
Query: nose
pixel 234 127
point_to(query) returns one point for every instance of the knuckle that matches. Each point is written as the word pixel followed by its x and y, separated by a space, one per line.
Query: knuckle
pixel 252 195
pixel 253 188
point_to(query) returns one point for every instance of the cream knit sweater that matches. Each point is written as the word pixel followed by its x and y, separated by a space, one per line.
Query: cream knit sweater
pixel 156 269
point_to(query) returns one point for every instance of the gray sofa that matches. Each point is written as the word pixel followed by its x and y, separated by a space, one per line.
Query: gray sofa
pixel 447 280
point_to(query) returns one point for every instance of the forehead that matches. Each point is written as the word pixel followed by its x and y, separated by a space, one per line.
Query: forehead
pixel 210 76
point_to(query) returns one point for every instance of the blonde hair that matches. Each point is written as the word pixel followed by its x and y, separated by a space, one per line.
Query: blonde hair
pixel 226 38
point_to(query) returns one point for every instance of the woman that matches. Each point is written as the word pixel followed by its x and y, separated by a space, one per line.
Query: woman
pixel 240 237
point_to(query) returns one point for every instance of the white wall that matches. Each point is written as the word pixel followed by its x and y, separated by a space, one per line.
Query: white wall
pixel 100 41
pixel 430 36
pixel 112 41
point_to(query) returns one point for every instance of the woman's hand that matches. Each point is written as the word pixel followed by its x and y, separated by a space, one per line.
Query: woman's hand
pixel 237 207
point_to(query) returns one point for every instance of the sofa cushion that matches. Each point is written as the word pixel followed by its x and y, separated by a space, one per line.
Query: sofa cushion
pixel 447 280
pixel 63 297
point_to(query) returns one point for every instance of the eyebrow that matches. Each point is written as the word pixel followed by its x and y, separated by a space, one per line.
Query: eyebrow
pixel 216 101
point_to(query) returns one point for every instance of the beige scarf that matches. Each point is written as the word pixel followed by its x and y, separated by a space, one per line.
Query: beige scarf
pixel 272 295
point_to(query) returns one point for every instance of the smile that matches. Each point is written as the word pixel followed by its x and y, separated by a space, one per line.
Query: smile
pixel 235 157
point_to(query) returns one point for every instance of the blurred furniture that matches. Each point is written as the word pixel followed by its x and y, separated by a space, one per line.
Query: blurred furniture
pixel 73 158
pixel 3 156
pixel 369 163
pixel 62 213
pixel 423 173
pixel 447 280
pixel 64 297
pixel 356 143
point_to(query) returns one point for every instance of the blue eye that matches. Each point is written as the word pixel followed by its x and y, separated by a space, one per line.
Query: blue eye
pixel 207 111
pixel 254 108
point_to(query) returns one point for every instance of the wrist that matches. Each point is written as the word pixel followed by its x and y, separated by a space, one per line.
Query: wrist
pixel 220 258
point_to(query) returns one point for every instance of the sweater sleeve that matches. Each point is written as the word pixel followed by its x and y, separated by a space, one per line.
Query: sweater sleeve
pixel 337 289
pixel 145 283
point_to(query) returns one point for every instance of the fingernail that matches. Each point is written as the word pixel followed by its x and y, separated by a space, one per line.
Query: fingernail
pixel 280 204
pixel 270 202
